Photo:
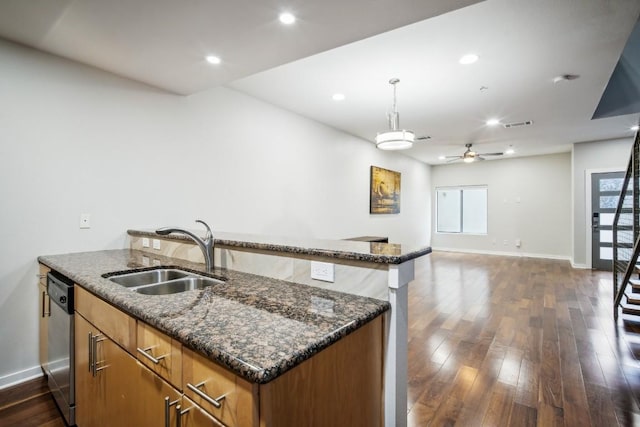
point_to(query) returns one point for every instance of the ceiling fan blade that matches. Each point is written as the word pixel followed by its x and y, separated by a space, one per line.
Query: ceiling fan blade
pixel 490 154
pixel 479 158
pixel 453 157
pixel 454 160
pixel 423 138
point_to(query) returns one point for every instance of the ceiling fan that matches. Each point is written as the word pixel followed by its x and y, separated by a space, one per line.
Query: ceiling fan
pixel 470 155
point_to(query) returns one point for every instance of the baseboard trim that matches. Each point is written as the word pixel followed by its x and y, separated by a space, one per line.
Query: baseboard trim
pixel 19 377
pixel 580 266
pixel 500 253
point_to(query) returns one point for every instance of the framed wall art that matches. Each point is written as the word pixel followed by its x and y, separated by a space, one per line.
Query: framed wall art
pixel 384 192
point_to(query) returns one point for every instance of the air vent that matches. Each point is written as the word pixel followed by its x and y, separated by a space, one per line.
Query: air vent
pixel 518 124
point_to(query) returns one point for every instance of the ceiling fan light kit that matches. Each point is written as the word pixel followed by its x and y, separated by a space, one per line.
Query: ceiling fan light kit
pixel 470 156
pixel 395 138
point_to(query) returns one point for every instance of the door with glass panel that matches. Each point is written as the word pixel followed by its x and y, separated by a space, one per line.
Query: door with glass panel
pixel 605 192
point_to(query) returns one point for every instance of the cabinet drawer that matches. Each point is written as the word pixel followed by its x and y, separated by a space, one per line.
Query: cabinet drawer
pixel 114 323
pixel 240 404
pixel 153 344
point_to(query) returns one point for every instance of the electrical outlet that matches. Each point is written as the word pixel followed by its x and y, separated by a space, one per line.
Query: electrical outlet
pixel 322 271
pixel 145 261
pixel 156 244
pixel 145 242
pixel 85 220
pixel 518 243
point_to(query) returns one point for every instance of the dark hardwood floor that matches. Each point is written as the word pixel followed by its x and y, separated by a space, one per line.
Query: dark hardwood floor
pixel 29 404
pixel 494 341
pixel 502 341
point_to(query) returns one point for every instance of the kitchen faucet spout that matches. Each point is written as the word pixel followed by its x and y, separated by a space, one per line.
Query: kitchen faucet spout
pixel 206 244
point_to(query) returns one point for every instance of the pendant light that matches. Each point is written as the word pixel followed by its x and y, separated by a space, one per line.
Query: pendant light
pixel 394 138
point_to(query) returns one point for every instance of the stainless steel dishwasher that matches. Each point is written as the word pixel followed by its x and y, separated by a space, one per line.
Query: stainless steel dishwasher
pixel 61 345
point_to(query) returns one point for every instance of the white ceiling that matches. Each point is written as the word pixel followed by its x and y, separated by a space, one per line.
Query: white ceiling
pixel 347 46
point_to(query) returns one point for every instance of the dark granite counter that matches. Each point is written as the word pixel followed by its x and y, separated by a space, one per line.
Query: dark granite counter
pixel 255 326
pixel 381 253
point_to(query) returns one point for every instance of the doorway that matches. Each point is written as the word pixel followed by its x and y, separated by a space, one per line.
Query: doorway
pixel 605 192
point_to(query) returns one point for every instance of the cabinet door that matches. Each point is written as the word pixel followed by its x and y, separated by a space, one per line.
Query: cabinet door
pixel 44 312
pixel 91 396
pixel 109 397
pixel 157 399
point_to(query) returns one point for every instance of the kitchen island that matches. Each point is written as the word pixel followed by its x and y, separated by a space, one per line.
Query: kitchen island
pixel 272 335
pixel 372 269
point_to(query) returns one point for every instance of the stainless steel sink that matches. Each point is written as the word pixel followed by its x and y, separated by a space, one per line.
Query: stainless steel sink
pixel 142 278
pixel 162 281
pixel 179 285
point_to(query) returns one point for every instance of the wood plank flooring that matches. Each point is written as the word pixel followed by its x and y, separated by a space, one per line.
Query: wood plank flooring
pixel 29 404
pixel 503 341
pixel 494 341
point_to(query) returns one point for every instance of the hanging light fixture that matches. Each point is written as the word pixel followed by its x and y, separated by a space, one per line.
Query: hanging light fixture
pixel 394 138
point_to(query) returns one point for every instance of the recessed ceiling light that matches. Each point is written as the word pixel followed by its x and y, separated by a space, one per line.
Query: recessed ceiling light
pixel 468 59
pixel 634 128
pixel 442 158
pixel 509 151
pixel 287 18
pixel 493 122
pixel 212 59
pixel 338 97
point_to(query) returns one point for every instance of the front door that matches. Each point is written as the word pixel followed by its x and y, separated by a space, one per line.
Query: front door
pixel 605 192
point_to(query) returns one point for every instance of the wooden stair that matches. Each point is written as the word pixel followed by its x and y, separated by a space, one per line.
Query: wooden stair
pixel 632 296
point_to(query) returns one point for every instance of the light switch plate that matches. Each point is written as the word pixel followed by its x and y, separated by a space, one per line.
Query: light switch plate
pixel 324 271
pixel 156 244
pixel 145 242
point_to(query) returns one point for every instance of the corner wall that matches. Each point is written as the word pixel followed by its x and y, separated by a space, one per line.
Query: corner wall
pixel 529 198
pixel 77 140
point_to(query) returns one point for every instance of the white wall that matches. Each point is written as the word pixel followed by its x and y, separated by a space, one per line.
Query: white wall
pixel 587 158
pixel 74 139
pixel 529 199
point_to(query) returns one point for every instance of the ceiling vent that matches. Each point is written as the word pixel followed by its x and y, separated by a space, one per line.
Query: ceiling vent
pixel 518 124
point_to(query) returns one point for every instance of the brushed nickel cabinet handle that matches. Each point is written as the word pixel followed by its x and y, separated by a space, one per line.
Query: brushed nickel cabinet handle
pixel 215 402
pixel 90 352
pixel 95 340
pixel 144 351
pixel 180 413
pixel 44 304
pixel 167 407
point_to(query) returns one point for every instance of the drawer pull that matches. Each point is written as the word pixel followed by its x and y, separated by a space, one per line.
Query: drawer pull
pixel 144 351
pixel 44 302
pixel 211 400
pixel 180 413
pixel 167 405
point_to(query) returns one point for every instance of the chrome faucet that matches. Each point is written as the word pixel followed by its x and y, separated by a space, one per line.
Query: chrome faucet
pixel 206 245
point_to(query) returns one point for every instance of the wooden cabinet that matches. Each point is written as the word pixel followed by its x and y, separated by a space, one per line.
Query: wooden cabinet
pixel 117 325
pixel 223 394
pixel 106 392
pixel 44 312
pixel 160 353
pixel 157 399
pixel 341 385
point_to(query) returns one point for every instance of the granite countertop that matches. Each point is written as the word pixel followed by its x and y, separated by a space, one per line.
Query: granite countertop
pixel 255 326
pixel 382 253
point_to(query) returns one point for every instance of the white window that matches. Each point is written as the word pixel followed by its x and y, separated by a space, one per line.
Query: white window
pixel 461 210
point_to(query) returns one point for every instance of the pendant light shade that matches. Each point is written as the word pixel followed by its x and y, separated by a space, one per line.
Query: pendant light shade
pixel 395 138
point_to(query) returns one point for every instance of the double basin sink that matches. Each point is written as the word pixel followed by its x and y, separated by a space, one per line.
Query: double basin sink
pixel 162 281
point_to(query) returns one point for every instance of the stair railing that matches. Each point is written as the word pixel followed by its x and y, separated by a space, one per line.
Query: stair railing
pixel 626 228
